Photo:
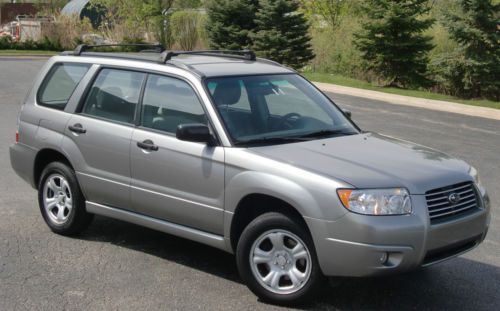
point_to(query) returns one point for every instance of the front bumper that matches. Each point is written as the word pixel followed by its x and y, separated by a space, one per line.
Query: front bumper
pixel 359 245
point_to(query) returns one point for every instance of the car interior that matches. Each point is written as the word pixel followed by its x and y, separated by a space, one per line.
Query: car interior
pixel 167 105
pixel 251 108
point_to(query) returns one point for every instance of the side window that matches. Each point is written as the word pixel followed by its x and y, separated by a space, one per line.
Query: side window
pixel 114 95
pixel 169 102
pixel 59 84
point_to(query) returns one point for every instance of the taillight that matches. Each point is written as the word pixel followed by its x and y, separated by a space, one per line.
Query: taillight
pixel 17 137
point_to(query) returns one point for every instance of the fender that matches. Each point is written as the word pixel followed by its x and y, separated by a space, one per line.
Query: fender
pixel 252 182
pixel 307 202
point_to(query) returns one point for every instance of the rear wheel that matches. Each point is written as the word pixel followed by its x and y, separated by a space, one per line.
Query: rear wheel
pixel 61 201
pixel 276 258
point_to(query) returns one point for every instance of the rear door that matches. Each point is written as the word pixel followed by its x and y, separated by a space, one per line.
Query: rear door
pixel 100 136
pixel 178 181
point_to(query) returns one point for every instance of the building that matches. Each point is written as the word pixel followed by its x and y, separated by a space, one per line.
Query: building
pixel 9 11
pixel 83 8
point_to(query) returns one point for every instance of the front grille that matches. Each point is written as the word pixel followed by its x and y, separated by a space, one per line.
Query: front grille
pixel 441 205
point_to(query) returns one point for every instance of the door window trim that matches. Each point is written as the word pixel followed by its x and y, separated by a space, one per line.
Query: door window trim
pixel 197 94
pixel 138 120
pixel 88 88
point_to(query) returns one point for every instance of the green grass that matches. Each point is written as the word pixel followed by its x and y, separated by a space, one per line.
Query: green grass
pixel 340 80
pixel 27 52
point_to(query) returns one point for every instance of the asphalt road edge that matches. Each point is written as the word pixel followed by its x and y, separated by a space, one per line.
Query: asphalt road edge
pixel 438 105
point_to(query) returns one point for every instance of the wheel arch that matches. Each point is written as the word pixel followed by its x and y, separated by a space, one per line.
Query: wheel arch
pixel 255 204
pixel 274 193
pixel 43 158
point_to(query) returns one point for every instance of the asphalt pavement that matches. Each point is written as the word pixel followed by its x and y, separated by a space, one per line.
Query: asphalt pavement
pixel 118 266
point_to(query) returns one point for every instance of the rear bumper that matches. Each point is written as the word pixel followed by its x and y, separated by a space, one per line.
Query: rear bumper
pixel 359 245
pixel 22 160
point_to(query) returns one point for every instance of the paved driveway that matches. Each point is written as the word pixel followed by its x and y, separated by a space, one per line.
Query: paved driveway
pixel 115 265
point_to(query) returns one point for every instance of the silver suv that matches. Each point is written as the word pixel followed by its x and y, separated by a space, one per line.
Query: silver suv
pixel 245 155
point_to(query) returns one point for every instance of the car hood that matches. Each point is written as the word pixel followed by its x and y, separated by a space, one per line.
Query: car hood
pixel 371 160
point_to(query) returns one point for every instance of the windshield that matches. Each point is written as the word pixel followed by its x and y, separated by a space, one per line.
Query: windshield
pixel 273 109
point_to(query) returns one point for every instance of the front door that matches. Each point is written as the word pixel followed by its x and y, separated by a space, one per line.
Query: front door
pixel 178 181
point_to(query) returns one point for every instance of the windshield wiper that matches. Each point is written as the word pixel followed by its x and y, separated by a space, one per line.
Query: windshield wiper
pixel 268 140
pixel 324 133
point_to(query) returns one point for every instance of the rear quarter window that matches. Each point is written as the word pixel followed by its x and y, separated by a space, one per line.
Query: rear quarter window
pixel 59 84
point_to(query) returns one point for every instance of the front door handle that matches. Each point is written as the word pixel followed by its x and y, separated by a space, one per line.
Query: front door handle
pixel 77 128
pixel 147 145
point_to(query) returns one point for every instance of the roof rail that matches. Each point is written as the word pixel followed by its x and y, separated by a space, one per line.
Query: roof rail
pixel 84 47
pixel 241 54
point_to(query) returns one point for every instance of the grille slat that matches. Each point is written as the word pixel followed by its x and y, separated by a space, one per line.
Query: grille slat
pixel 453 208
pixel 446 197
pixel 439 206
pixel 453 189
pixel 454 211
pixel 432 206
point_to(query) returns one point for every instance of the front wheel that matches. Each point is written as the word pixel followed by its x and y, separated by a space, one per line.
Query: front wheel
pixel 277 260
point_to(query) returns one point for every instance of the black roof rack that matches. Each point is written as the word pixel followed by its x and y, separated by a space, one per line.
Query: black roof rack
pixel 240 54
pixel 166 57
pixel 84 47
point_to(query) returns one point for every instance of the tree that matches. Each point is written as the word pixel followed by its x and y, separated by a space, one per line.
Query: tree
pixel 230 22
pixel 282 33
pixel 140 16
pixel 330 11
pixel 188 4
pixel 475 68
pixel 392 42
pixel 49 7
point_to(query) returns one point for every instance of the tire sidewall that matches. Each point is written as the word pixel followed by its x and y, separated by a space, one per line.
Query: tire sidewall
pixel 67 173
pixel 264 223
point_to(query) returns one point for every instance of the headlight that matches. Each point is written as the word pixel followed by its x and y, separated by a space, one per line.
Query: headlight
pixel 474 174
pixel 376 201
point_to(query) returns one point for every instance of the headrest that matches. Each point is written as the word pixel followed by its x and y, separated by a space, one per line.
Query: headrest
pixel 109 98
pixel 227 92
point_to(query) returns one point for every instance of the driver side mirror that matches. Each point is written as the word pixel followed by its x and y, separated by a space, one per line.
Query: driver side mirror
pixel 347 113
pixel 195 133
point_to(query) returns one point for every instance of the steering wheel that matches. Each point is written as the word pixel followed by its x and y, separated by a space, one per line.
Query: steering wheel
pixel 288 117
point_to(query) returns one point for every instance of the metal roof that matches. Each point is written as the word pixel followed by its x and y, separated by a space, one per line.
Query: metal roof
pixel 74 7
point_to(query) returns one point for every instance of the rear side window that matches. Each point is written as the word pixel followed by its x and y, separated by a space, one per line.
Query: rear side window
pixel 60 83
pixel 114 95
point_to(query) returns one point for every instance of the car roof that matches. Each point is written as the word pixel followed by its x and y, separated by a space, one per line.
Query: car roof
pixel 202 65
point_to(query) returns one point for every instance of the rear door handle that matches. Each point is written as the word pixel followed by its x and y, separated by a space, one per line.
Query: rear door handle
pixel 77 128
pixel 147 145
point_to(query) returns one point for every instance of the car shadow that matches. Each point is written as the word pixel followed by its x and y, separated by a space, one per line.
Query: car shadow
pixel 182 251
pixel 460 283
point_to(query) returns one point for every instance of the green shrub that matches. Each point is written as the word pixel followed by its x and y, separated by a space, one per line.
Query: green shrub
pixel 335 52
pixel 185 29
pixel 5 43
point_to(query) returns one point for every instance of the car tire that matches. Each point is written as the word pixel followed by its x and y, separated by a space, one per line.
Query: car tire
pixel 61 200
pixel 277 260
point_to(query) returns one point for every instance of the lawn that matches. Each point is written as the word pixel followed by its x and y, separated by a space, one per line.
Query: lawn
pixel 26 52
pixel 340 80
